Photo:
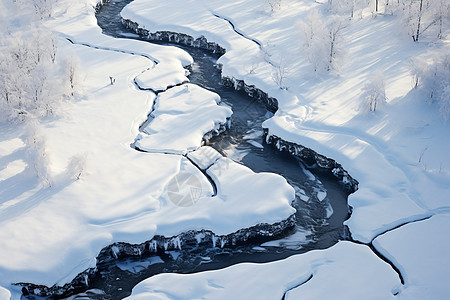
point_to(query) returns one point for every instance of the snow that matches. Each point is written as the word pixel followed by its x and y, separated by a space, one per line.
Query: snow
pixel 161 77
pixel 204 157
pixel 399 154
pixel 4 294
pixel 122 195
pixel 181 117
pixel 347 269
pixel 420 250
pixel 237 183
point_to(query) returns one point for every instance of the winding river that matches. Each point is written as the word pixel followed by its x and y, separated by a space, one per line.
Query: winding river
pixel 321 201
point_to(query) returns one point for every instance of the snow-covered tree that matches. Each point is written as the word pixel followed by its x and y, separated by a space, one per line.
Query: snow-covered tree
pixel 36 152
pixel 373 93
pixel 434 79
pixel 347 7
pixel 30 83
pixel 76 166
pixel 323 40
pixel 335 27
pixel 420 17
pixel 43 8
pixel 273 5
pixel 315 36
pixel 72 75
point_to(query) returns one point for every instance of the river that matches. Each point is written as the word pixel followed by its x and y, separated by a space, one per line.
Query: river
pixel 321 201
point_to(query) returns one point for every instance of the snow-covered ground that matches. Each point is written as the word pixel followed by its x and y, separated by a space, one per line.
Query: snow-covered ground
pixel 345 271
pixel 399 154
pixel 180 119
pixel 53 233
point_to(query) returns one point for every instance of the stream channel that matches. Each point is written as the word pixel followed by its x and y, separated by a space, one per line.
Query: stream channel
pixel 321 201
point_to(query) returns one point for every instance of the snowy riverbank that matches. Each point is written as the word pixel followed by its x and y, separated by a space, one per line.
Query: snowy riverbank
pixel 398 154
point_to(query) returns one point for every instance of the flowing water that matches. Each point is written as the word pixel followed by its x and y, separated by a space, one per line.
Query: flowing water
pixel 321 202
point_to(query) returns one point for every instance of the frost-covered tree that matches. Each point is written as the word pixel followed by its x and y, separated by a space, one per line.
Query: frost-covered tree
pixel 323 40
pixel 33 78
pixel 434 79
pixel 315 36
pixel 76 166
pixel 422 17
pixel 72 77
pixel 347 7
pixel 43 8
pixel 335 27
pixel 273 5
pixel 36 152
pixel 373 93
pixel 29 75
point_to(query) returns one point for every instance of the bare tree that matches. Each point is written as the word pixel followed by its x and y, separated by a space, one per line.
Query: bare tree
pixel 279 75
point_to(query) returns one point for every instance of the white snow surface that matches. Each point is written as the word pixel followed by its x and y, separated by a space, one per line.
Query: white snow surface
pixel 344 271
pixel 52 233
pixel 181 117
pixel 426 266
pixel 204 157
pixel 397 157
pixel 399 154
pixel 4 294
pixel 161 77
pixel 237 183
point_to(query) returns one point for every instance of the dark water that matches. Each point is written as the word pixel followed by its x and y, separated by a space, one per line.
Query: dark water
pixel 321 202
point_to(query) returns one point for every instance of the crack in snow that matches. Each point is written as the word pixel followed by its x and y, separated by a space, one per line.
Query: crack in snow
pixel 245 36
pixel 156 92
pixel 296 286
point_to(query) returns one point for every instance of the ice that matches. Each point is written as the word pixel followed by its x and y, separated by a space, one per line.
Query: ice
pixel 321 195
pixel 330 210
pixel 399 154
pixel 347 269
pixel 255 144
pixel 138 266
pixel 294 241
pixel 253 134
pixel 174 254
pixel 182 116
